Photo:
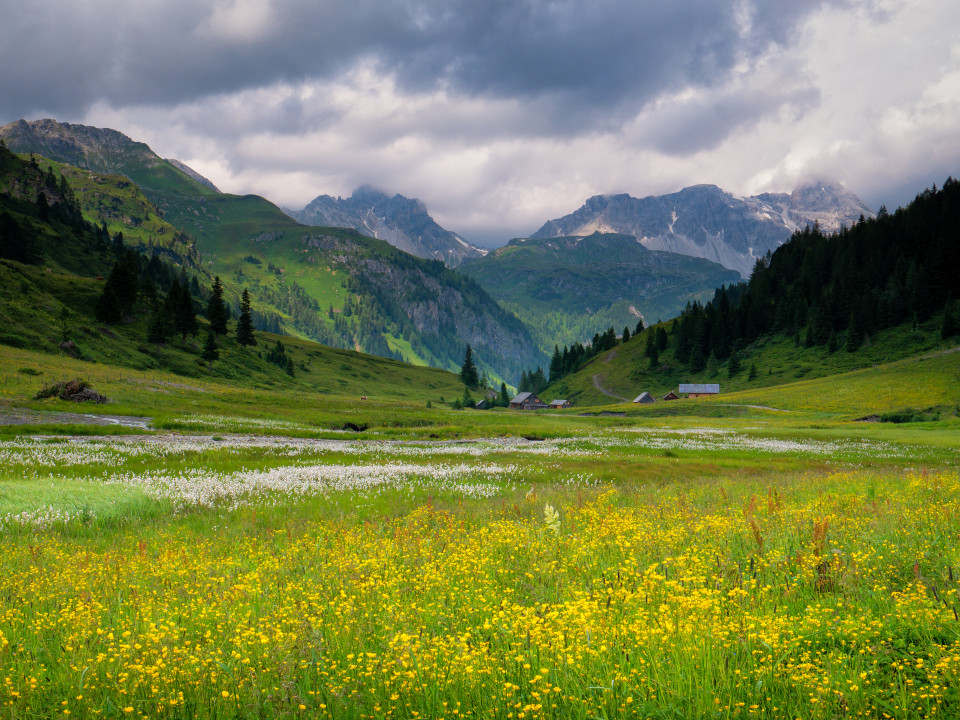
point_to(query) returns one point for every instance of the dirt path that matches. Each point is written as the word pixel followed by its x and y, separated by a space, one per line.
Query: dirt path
pixel 598 386
pixel 610 356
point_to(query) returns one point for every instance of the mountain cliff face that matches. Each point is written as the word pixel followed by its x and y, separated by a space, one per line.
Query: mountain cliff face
pixel 184 168
pixel 402 222
pixel 705 221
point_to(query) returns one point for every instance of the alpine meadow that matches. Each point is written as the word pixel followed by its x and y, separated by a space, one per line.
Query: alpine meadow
pixel 437 378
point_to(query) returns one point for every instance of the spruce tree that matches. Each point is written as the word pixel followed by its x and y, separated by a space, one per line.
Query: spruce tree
pixel 504 397
pixel 467 398
pixel 468 371
pixel 185 315
pixel 639 329
pixel 733 363
pixel 107 310
pixel 217 309
pixel 654 356
pixel 158 329
pixel 662 339
pixel 245 321
pixel 210 352
pixel 697 361
pixel 626 334
pixel 556 364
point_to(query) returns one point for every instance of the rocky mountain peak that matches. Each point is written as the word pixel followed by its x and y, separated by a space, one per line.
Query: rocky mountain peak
pixel 403 222
pixel 708 222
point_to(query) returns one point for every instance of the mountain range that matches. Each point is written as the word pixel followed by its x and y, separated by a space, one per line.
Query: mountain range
pixel 402 222
pixel 375 284
pixel 708 222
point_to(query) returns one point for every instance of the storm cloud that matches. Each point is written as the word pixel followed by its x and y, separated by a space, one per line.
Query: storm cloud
pixel 605 54
pixel 502 113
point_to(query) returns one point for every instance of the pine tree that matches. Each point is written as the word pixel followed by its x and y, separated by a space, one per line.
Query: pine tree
pixel 245 322
pixel 639 329
pixel 504 397
pixel 210 352
pixel 733 363
pixel 107 310
pixel 217 309
pixel 854 332
pixel 650 347
pixel 467 398
pixel 662 339
pixel 185 315
pixel 556 364
pixel 468 371
pixel 626 334
pixel 753 372
pixel 158 329
pixel 697 361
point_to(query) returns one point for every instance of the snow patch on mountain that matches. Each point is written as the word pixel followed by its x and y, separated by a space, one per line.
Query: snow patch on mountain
pixel 705 221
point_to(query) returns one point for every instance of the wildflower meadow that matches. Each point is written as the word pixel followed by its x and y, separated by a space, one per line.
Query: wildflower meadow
pixel 641 571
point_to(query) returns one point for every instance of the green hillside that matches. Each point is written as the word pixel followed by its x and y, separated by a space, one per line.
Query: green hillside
pixel 625 371
pixel 565 289
pixel 330 285
pixel 55 267
pixel 41 308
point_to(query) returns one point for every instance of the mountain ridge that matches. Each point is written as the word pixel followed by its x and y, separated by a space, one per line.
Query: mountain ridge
pixel 403 222
pixel 709 222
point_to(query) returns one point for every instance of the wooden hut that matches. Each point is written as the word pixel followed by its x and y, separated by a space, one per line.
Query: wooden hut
pixel 527 401
pixel 695 390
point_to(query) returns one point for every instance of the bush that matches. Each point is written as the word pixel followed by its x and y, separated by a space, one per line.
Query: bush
pixel 910 415
pixel 72 390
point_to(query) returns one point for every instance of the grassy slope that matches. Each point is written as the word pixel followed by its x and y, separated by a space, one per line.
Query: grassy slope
pixel 33 298
pixel 779 362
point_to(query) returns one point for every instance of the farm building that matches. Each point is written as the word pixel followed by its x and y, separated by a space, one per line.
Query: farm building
pixel 559 404
pixel 644 397
pixel 527 401
pixel 671 396
pixel 695 390
pixel 482 404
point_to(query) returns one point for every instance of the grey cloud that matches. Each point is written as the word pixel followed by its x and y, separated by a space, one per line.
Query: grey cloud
pixel 704 121
pixel 589 59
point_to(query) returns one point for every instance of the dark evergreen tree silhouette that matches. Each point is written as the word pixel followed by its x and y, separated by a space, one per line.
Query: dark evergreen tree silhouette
pixel 468 371
pixel 210 351
pixel 245 322
pixel 217 309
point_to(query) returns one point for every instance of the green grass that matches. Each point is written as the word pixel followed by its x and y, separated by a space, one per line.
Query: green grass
pixel 779 362
pixel 676 577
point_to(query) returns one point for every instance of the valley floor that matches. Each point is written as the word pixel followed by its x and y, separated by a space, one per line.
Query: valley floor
pixel 556 567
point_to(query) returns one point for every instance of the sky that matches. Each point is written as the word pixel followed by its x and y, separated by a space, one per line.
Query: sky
pixel 502 114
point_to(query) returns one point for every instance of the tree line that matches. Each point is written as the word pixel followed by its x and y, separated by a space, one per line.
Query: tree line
pixel 837 290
